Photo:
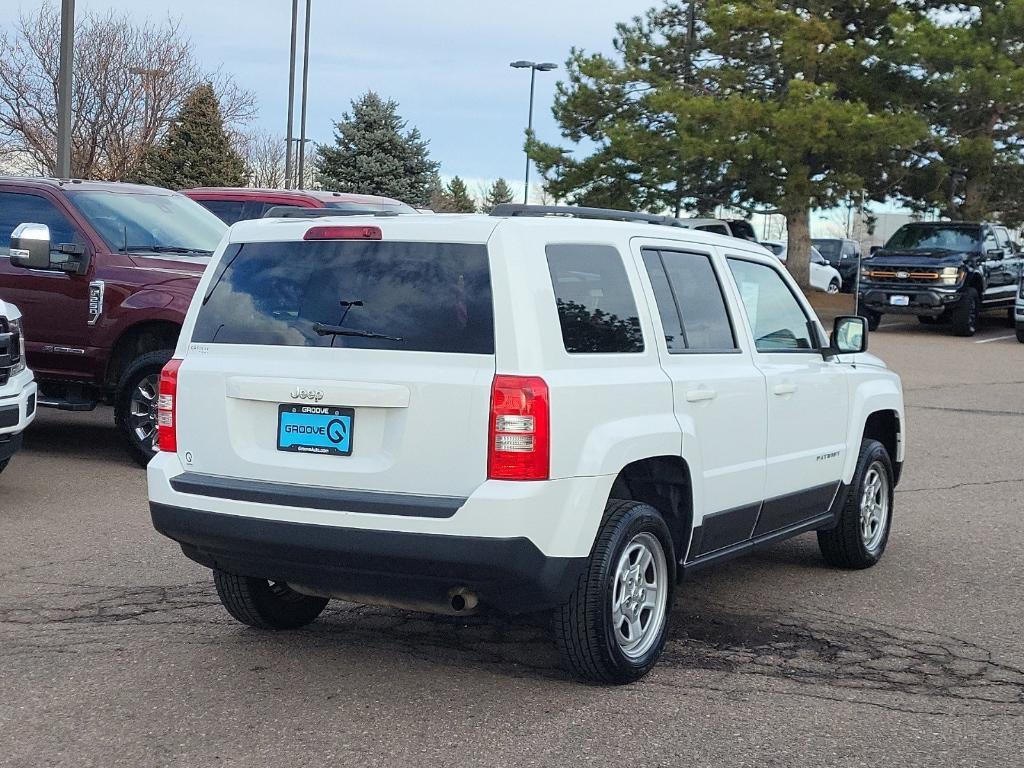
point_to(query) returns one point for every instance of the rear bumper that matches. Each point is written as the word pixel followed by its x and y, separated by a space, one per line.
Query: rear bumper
pixel 930 302
pixel 374 565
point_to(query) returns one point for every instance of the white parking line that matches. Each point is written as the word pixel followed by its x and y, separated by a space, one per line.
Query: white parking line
pixel 995 338
pixel 896 325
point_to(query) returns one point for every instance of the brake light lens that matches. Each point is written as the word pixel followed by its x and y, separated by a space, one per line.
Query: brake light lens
pixel 343 233
pixel 519 444
pixel 167 435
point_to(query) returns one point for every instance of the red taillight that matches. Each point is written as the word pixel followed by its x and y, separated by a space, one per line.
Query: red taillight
pixel 167 434
pixel 343 233
pixel 519 443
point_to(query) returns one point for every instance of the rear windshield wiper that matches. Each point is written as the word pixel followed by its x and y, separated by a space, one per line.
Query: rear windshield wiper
pixel 166 249
pixel 336 330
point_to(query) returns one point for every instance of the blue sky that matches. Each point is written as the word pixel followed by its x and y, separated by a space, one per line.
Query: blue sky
pixel 446 63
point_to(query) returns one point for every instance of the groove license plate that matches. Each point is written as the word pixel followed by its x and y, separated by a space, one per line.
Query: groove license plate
pixel 324 429
pixel 899 301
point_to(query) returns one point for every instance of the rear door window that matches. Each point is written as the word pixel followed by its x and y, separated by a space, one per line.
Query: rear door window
pixel 421 297
pixel 596 308
pixel 690 302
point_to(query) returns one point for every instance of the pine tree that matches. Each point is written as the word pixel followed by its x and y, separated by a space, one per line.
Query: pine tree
pixel 374 153
pixel 196 151
pixel 458 198
pixel 498 193
pixel 439 202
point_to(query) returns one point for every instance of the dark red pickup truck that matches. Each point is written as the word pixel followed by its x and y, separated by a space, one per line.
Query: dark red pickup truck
pixel 103 283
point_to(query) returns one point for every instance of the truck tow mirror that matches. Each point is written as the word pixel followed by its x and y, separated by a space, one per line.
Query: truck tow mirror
pixel 849 336
pixel 30 246
pixel 995 253
pixel 874 249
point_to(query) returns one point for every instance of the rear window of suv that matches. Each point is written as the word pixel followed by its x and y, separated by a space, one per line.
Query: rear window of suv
pixel 419 297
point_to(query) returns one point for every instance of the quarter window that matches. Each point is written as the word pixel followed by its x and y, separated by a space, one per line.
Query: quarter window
pixel 596 308
pixel 776 317
pixel 690 302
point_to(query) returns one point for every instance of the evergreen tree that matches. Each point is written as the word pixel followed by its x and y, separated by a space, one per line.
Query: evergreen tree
pixel 196 151
pixel 961 70
pixel 458 197
pixel 498 193
pixel 439 202
pixel 776 107
pixel 375 154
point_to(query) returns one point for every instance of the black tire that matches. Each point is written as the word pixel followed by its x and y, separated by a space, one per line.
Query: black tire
pixel 844 546
pixel 964 315
pixel 1020 333
pixel 266 605
pixel 583 625
pixel 833 286
pixel 873 318
pixel 1011 317
pixel 3 464
pixel 141 447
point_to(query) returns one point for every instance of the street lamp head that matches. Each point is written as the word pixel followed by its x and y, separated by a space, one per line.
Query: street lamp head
pixel 547 66
pixel 521 64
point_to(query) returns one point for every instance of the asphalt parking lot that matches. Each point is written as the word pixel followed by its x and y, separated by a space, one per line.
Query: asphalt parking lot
pixel 115 651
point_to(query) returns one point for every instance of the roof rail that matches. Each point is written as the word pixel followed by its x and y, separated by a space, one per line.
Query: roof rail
pixel 294 212
pixel 579 212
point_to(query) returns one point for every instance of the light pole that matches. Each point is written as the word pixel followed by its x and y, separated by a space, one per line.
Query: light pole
pixel 291 98
pixel 149 76
pixel 534 67
pixel 67 57
pixel 302 118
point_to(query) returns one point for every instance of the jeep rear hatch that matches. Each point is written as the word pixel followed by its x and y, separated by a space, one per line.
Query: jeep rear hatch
pixel 342 363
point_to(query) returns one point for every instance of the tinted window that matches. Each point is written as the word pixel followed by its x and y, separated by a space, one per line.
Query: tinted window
pixel 718 229
pixel 777 319
pixel 830 249
pixel 951 237
pixel 228 211
pixel 1002 237
pixel 17 208
pixel 695 295
pixel 816 257
pixel 671 321
pixel 435 297
pixel 595 302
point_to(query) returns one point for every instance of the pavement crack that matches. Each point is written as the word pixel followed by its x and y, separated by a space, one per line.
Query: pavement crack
pixel 961 485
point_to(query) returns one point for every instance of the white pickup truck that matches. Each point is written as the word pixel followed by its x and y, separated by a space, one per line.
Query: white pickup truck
pixel 17 387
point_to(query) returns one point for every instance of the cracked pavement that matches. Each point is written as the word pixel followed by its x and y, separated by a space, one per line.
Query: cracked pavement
pixel 115 651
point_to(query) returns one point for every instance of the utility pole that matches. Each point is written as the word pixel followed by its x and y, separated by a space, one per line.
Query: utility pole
pixel 291 99
pixel 67 58
pixel 302 119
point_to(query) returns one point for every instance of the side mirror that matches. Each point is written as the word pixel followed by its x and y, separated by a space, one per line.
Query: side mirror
pixel 874 249
pixel 995 253
pixel 849 336
pixel 30 246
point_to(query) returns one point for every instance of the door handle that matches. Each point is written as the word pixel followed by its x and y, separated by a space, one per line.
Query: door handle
pixel 699 395
pixel 784 389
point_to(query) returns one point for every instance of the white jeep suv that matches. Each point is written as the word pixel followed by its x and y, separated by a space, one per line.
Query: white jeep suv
pixel 17 385
pixel 532 410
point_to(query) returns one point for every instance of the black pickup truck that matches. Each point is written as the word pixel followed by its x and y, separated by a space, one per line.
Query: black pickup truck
pixel 942 272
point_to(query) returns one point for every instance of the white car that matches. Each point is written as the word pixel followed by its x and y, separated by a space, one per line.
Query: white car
pixel 17 385
pixel 518 411
pixel 824 277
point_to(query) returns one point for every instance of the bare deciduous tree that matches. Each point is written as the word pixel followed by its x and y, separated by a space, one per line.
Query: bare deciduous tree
pixel 264 157
pixel 129 81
